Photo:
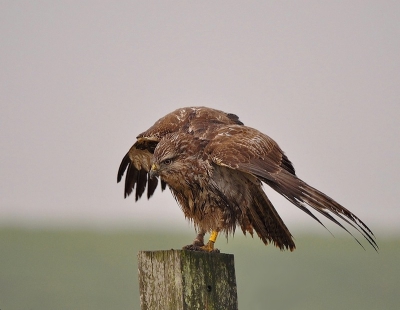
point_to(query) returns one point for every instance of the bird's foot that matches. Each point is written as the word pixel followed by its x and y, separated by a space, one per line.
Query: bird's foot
pixel 199 241
pixel 209 247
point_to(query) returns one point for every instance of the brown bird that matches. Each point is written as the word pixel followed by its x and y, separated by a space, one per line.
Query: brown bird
pixel 215 167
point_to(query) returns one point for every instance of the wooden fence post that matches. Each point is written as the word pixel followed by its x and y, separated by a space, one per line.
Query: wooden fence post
pixel 186 280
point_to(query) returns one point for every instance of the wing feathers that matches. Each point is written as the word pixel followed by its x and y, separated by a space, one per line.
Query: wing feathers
pixel 141 183
pixel 122 167
pixel 198 121
pixel 152 185
pixel 130 179
pixel 250 151
pixel 298 192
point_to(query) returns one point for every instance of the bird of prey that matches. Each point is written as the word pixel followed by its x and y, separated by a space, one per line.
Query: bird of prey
pixel 215 167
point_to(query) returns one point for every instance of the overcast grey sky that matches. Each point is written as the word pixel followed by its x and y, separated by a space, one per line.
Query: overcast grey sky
pixel 80 79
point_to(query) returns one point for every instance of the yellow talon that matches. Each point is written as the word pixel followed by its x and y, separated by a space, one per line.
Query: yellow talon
pixel 209 247
pixel 198 244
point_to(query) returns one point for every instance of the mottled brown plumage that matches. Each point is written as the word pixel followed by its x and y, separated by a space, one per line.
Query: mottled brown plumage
pixel 196 121
pixel 215 170
pixel 214 196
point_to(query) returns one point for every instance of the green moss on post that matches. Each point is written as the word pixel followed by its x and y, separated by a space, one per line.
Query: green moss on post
pixel 186 280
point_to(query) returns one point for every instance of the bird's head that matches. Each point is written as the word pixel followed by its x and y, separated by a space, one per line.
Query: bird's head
pixel 177 159
pixel 169 157
pixel 160 168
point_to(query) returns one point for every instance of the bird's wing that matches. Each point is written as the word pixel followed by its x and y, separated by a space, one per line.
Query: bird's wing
pixel 250 151
pixel 198 121
pixel 192 120
pixel 247 149
pixel 137 163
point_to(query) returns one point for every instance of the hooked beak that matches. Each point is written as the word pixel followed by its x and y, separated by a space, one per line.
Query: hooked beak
pixel 154 170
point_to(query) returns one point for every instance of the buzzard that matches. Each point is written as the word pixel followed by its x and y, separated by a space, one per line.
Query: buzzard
pixel 215 167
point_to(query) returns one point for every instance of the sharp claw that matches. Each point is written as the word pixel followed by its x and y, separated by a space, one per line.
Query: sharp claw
pixel 198 243
pixel 209 248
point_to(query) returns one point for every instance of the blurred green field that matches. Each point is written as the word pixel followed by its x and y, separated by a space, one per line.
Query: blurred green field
pixel 61 269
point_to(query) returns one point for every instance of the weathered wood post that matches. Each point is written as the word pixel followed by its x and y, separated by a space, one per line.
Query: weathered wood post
pixel 187 280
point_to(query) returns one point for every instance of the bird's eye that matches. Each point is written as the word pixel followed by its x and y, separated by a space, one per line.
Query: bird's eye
pixel 167 161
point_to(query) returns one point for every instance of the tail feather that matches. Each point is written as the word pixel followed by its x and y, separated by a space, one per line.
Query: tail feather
pixel 267 222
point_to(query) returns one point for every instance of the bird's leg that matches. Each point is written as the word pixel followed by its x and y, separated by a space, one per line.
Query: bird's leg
pixel 209 247
pixel 199 240
pixel 198 243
